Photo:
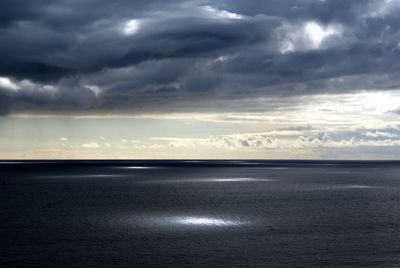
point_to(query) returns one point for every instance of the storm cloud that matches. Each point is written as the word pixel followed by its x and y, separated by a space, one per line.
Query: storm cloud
pixel 158 56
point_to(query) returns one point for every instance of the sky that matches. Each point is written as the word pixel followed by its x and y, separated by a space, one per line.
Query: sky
pixel 200 79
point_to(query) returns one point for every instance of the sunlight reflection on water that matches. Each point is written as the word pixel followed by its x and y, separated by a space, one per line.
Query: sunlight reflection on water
pixel 200 221
pixel 138 167
pixel 347 187
pixel 233 180
pixel 90 176
pixel 204 180
pixel 162 221
pixel 361 186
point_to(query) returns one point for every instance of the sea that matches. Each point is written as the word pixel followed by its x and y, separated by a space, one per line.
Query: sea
pixel 200 213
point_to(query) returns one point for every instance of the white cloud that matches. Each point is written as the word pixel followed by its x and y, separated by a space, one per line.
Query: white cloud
pixel 286 140
pixel 307 36
pixel 379 134
pixel 131 27
pixel 92 145
pixel 6 83
pixel 317 33
pixel 221 14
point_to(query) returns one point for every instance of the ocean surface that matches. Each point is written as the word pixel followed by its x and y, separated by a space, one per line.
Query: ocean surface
pixel 200 214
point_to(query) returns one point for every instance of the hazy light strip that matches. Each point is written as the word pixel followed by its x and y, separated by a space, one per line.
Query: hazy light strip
pixel 80 176
pixel 138 167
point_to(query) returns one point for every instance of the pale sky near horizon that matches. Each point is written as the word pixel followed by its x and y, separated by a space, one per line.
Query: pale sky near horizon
pixel 199 79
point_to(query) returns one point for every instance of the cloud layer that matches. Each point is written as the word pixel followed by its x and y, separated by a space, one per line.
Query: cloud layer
pixel 170 56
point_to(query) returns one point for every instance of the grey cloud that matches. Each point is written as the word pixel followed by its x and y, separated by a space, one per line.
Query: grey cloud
pixel 325 11
pixel 39 50
pixel 191 55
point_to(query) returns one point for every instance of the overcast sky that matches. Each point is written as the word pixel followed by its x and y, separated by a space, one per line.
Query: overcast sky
pixel 200 79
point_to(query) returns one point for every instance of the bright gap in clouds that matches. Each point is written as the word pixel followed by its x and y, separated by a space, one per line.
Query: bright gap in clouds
pixel 317 33
pixel 310 35
pixel 131 27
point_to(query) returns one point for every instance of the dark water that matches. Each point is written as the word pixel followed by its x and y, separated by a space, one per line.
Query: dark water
pixel 202 214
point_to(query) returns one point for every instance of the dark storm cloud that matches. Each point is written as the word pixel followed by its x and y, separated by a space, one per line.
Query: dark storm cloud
pixel 78 38
pixel 325 11
pixel 141 56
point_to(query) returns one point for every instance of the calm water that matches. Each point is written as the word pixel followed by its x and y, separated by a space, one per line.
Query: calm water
pixel 200 213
